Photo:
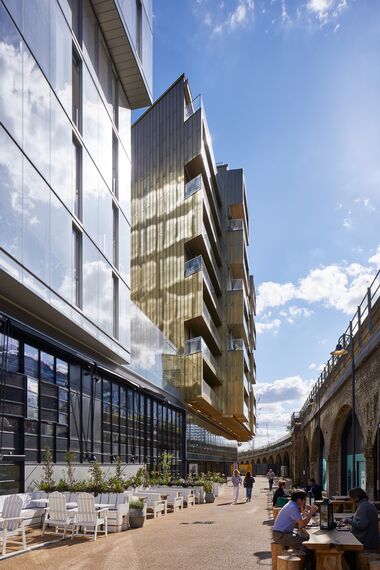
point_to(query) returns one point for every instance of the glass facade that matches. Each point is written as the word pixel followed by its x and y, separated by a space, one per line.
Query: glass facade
pixel 62 112
pixel 65 403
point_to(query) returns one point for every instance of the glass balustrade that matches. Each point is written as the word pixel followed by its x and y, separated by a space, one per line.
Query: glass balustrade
pixel 197 344
pixel 193 186
pixel 235 285
pixel 206 390
pixel 193 107
pixel 235 225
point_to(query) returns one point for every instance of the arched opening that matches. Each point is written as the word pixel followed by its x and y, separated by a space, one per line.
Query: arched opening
pixel 318 459
pixel 265 462
pixel 347 476
pixel 271 463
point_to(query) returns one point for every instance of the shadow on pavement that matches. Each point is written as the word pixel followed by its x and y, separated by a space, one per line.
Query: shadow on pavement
pixel 268 522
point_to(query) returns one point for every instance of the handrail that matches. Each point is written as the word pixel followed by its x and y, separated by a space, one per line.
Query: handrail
pixel 363 312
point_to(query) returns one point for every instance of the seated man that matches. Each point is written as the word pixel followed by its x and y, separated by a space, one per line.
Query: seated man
pixel 294 514
pixel 364 521
pixel 314 489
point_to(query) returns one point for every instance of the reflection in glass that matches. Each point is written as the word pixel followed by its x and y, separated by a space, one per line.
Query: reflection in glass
pixel 11 76
pixel 105 74
pixel 36 223
pixel 124 185
pixel 60 253
pixel 10 196
pixel 89 35
pixel 37 31
pixel 105 220
pixel 31 360
pixel 124 249
pixel 76 272
pixel 90 114
pixel 61 49
pixel 61 153
pixel 124 121
pixel 105 145
pixel 105 296
pixel 90 197
pixel 62 372
pixel 90 280
pixel 36 115
pixel 124 316
pixel 11 348
pixel 47 367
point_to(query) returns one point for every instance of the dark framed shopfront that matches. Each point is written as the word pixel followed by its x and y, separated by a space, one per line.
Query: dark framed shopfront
pixel 51 398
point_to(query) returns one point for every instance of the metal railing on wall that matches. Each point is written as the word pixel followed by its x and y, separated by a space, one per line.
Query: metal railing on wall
pixel 361 318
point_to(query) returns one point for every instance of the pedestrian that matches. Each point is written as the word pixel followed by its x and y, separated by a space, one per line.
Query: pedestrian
pixel 279 492
pixel 248 485
pixel 236 482
pixel 270 475
pixel 364 521
pixel 294 514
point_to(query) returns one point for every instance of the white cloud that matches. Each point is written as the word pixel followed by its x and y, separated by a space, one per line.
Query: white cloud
pixel 325 11
pixel 339 286
pixel 269 326
pixel 375 259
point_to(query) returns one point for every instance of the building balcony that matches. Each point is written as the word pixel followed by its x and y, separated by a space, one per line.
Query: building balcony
pixel 196 185
pixel 252 294
pixel 236 251
pixel 237 350
pixel 253 372
pixel 210 364
pixel 196 268
pixel 200 244
pixel 197 391
pixel 247 386
pixel 237 199
pixel 235 310
pixel 203 325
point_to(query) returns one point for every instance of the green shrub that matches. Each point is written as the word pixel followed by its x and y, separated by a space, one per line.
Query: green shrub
pixel 136 504
pixel 207 486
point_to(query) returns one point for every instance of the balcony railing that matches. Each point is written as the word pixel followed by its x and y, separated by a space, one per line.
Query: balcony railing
pixel 197 344
pixel 235 225
pixel 238 344
pixel 193 186
pixel 247 385
pixel 197 264
pixel 235 285
pixel 193 107
pixel 211 324
pixel 246 411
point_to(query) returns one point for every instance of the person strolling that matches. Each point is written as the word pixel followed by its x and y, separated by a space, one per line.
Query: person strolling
pixel 295 514
pixel 248 485
pixel 364 520
pixel 236 482
pixel 279 492
pixel 270 476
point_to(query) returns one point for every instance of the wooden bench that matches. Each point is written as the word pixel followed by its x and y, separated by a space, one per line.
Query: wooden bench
pixel 275 512
pixel 289 562
pixel 363 559
pixel 277 550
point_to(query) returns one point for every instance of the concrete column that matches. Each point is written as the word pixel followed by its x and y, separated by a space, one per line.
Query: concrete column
pixel 333 475
pixel 370 471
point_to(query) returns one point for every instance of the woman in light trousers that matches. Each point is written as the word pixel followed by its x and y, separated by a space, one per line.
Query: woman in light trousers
pixel 236 482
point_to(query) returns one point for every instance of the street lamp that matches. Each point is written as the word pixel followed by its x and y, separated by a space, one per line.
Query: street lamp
pixel 346 341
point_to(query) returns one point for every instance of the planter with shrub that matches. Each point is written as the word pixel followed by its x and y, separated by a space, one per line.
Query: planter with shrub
pixel 137 513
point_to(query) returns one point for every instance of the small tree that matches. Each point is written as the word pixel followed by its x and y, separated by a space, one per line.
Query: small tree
pixel 97 484
pixel 70 468
pixel 165 464
pixel 47 484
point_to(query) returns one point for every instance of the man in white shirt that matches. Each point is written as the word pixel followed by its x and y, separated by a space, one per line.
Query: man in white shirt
pixel 294 514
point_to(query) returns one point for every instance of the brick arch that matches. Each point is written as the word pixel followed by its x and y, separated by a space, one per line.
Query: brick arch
pixel 271 460
pixel 265 460
pixel 333 450
pixel 258 462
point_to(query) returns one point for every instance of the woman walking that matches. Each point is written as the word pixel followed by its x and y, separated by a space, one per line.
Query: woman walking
pixel 236 482
pixel 248 484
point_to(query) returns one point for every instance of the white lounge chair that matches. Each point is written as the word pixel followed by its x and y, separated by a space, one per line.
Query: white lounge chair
pixel 88 516
pixel 11 523
pixel 57 514
pixel 154 503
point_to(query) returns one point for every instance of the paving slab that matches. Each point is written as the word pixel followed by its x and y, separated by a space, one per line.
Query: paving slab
pixel 214 536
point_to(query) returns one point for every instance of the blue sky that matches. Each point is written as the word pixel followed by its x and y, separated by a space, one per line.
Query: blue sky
pixel 292 95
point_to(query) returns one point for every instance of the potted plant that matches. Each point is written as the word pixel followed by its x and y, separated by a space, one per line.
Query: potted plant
pixel 137 513
pixel 209 495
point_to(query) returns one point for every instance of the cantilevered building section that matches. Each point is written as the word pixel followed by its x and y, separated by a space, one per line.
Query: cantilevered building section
pixel 190 271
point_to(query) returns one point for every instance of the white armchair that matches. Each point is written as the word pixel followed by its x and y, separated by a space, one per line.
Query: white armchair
pixel 88 516
pixel 57 514
pixel 11 523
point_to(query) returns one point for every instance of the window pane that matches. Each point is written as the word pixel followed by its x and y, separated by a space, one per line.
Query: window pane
pixel 36 222
pixel 105 296
pixel 90 197
pixel 90 280
pixel 62 372
pixel 61 49
pixel 36 31
pixel 11 345
pixel 124 249
pixel 105 221
pixel 61 154
pixel 11 76
pixel 47 367
pixel 124 315
pixel 90 114
pixel 105 138
pixel 124 122
pixel 60 254
pixel 36 114
pixel 124 186
pixel 31 362
pixel 10 194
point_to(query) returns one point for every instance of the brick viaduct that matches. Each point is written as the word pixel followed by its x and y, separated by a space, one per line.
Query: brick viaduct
pixel 319 443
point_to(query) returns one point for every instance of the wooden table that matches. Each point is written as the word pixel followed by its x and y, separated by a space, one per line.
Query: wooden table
pixel 329 547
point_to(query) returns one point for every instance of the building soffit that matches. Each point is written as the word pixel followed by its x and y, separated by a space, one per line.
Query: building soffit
pixel 123 53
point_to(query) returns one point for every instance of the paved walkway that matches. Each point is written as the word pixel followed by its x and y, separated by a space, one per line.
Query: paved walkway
pixel 219 536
